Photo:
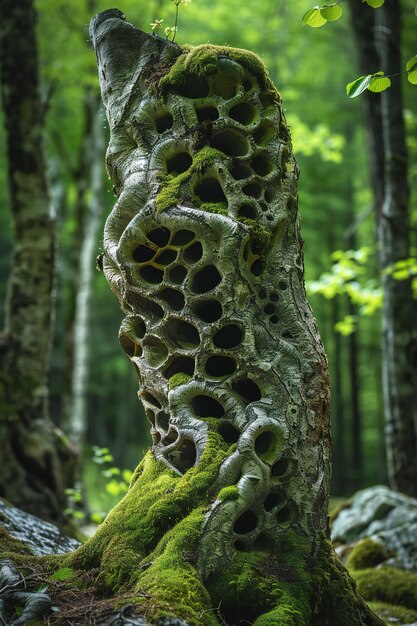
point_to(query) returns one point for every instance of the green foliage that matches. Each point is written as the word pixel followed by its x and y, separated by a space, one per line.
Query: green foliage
pixel 348 277
pixel 63 573
pixel 373 82
pixel 375 4
pixel 411 68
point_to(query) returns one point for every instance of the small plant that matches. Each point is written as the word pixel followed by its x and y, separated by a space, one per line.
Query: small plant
pixel 117 484
pixel 170 31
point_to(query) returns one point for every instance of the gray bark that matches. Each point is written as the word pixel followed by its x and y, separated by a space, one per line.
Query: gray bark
pixel 32 472
pixel 203 251
pixel 378 40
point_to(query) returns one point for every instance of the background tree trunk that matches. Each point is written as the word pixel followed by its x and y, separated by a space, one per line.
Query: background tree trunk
pixel 378 41
pixel 32 449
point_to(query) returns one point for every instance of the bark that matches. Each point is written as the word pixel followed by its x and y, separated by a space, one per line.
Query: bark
pixel 32 472
pixel 92 204
pixel 379 48
pixel 226 517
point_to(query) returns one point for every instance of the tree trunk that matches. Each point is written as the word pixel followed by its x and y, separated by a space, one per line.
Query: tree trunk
pixel 378 39
pixel 92 204
pixel 226 517
pixel 32 472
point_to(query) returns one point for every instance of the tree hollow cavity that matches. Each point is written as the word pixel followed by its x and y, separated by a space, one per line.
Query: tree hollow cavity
pixel 180 365
pixel 245 523
pixel 155 351
pixel 230 336
pixel 159 236
pixel 261 165
pixel 184 457
pixel 183 334
pixel 247 389
pixel 194 87
pixel 179 163
pixel 244 113
pixel 239 171
pixel 209 112
pixel 182 237
pixel 229 432
pixel 207 406
pixel 206 279
pixel 208 310
pixel 163 121
pixel 210 190
pixel 218 366
pixel 230 141
pixel 173 298
pixel 143 254
pixel 177 274
pixel 166 257
pixel 193 253
pixel 265 443
pixel 151 274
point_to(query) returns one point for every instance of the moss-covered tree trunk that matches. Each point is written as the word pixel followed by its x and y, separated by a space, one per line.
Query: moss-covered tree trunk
pixel 226 517
pixel 33 451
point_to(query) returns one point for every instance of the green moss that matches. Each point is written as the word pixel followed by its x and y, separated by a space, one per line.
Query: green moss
pixel 147 541
pixel 393 614
pixel 214 207
pixel 388 584
pixel 203 61
pixel 366 553
pixel 170 193
pixel 179 379
pixel 266 589
pixel 228 493
pixel 334 592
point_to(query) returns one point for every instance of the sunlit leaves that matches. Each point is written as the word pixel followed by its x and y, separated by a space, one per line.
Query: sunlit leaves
pixel 156 25
pixel 379 82
pixel 348 277
pixel 347 325
pixel 331 13
pixel 314 18
pixel 316 140
pixel 358 86
pixel 411 68
pixel 319 16
pixel 375 4
pixel 373 82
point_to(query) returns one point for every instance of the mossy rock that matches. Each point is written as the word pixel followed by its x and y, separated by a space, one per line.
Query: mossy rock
pixel 394 614
pixel 366 553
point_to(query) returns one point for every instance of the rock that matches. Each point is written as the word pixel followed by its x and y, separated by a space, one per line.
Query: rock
pixel 385 516
pixel 41 537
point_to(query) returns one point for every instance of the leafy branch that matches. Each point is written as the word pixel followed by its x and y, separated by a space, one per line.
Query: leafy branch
pixel 170 31
pixel 377 82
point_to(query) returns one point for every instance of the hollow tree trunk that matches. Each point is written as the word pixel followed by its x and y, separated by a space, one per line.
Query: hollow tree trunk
pixel 378 42
pixel 226 517
pixel 31 473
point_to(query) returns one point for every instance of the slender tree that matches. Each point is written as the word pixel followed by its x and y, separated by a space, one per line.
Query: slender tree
pixel 378 42
pixel 32 449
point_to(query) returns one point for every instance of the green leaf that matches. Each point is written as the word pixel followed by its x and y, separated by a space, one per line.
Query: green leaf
pixel 375 4
pixel 332 12
pixel 358 86
pixel 64 573
pixel 127 475
pixel 113 488
pixel 314 18
pixel 379 82
pixel 411 68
